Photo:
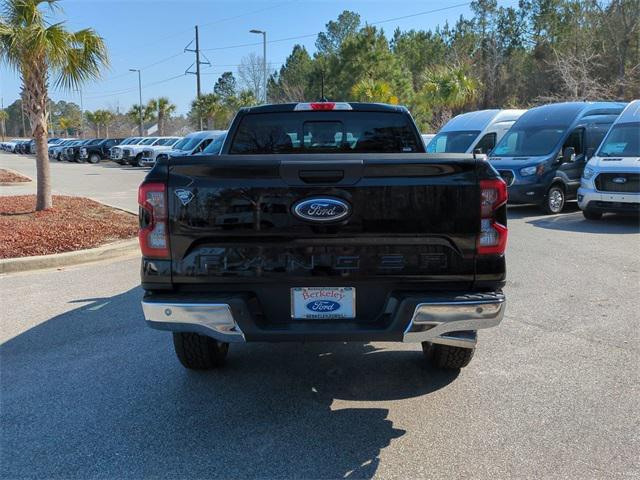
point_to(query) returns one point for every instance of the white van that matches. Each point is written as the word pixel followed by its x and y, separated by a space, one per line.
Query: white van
pixel 468 132
pixel 610 181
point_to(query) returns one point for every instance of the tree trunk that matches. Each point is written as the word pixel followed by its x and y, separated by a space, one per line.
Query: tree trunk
pixel 160 123
pixel 34 94
pixel 44 200
pixel 106 126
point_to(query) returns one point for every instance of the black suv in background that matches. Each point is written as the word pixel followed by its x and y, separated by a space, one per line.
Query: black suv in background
pixel 96 151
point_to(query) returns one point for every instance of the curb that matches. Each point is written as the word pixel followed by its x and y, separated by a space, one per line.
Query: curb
pixel 65 259
pixel 17 184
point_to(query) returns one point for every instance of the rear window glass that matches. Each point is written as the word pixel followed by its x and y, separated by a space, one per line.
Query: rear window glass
pixel 326 132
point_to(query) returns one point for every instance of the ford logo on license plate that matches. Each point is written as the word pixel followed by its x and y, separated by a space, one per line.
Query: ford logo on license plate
pixel 322 209
pixel 320 306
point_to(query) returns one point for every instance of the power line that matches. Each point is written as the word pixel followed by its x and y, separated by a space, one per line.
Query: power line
pixel 121 92
pixel 215 22
pixel 309 35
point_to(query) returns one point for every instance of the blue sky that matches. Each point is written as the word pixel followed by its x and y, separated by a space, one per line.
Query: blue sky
pixel 152 34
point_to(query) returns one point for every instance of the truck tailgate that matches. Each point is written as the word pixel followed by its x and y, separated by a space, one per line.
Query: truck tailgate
pixel 413 218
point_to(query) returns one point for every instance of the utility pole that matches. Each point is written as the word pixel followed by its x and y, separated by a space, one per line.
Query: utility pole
pixel 140 126
pixel 197 64
pixel 264 61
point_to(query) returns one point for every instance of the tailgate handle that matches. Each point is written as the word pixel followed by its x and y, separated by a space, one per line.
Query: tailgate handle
pixel 321 176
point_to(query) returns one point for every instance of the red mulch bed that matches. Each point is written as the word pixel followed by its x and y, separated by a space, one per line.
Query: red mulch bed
pixel 74 223
pixel 12 177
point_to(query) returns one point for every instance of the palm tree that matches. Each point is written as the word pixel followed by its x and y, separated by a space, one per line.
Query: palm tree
pixel 104 118
pixel 446 89
pixel 449 87
pixel 38 50
pixel 68 125
pixel 92 118
pixel 368 90
pixel 207 107
pixel 163 109
pixel 148 114
pixel 4 116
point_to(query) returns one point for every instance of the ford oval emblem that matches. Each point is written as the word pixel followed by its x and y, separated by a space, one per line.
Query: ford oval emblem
pixel 323 306
pixel 619 180
pixel 322 209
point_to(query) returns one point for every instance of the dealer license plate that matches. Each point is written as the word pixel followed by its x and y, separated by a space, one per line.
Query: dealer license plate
pixel 323 302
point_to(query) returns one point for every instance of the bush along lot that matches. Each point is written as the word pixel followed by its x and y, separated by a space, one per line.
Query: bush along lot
pixel 74 223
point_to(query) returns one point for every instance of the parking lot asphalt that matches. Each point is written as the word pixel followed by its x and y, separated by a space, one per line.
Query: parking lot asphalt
pixel 88 391
pixel 106 181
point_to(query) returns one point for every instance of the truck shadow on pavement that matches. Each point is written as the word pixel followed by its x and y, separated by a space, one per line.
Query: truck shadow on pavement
pixel 94 392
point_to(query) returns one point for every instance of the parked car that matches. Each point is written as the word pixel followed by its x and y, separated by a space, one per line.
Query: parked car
pixel 97 151
pixel 149 154
pixel 74 151
pixel 473 131
pixel 22 147
pixel 544 153
pixel 132 154
pixel 68 152
pixel 611 179
pixel 116 153
pixel 192 144
pixel 55 151
pixel 10 145
pixel 345 231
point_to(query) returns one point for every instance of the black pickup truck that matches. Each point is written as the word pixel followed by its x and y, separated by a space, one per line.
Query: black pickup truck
pixel 323 222
pixel 98 151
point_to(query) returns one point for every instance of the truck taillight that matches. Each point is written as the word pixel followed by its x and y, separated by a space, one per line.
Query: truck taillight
pixel 492 239
pixel 153 234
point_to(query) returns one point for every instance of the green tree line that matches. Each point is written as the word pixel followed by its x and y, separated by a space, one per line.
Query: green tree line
pixel 539 51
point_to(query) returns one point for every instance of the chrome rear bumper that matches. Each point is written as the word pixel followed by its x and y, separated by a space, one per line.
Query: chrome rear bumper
pixel 452 322
pixel 212 319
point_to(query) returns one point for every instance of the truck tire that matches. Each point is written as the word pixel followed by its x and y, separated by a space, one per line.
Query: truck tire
pixel 554 200
pixel 94 158
pixel 591 215
pixel 199 352
pixel 446 356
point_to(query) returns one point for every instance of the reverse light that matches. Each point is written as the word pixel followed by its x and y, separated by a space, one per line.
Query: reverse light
pixel 322 106
pixel 153 215
pixel 492 239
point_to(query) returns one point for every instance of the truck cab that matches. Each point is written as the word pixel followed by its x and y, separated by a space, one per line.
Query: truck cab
pixel 473 131
pixel 544 153
pixel 611 179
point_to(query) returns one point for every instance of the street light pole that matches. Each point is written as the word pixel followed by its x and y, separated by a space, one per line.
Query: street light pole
pixel 140 127
pixel 264 60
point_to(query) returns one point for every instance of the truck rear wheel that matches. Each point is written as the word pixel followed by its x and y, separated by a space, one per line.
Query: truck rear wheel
pixel 199 352
pixel 446 356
